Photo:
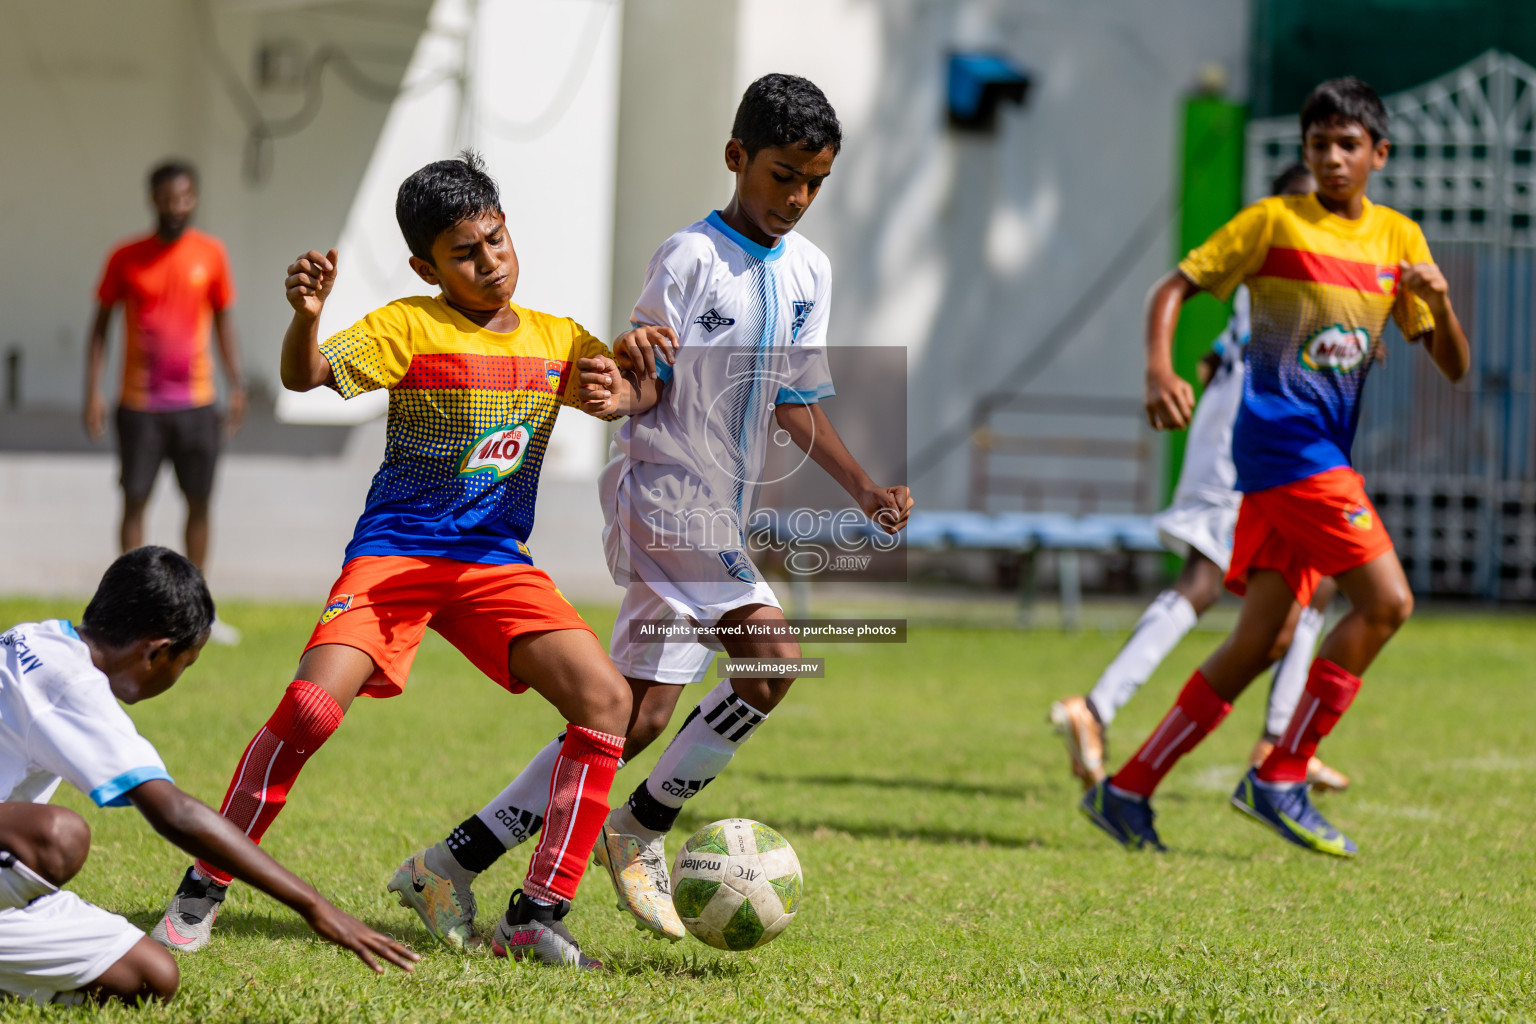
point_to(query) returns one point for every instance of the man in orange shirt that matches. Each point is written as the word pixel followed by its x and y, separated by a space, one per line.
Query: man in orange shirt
pixel 173 284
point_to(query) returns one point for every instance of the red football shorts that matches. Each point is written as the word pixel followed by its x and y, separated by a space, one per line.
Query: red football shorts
pixel 1318 526
pixel 381 604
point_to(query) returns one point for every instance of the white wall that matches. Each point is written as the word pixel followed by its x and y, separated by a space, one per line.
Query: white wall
pixel 966 250
pixel 97 91
pixel 543 111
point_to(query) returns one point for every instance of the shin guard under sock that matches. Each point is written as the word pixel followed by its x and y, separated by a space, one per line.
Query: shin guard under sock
pixel 578 803
pixel 1194 715
pixel 304 719
pixel 709 738
pixel 1329 692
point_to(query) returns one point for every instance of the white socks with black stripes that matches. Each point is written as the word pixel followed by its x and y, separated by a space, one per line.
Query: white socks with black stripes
pixel 702 748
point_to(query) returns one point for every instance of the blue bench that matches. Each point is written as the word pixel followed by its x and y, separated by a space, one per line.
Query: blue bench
pixel 1026 533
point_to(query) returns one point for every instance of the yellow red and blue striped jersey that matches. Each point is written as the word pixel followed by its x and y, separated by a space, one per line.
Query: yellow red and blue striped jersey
pixel 1322 287
pixel 470 414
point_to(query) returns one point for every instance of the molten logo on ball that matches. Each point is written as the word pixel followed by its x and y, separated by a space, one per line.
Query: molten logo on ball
pixel 736 884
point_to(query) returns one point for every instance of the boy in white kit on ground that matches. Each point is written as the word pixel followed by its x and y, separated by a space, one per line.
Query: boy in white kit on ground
pixel 1198 526
pixel 60 719
pixel 748 299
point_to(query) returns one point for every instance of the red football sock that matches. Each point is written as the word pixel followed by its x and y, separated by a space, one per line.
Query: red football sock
pixel 1195 714
pixel 1329 692
pixel 578 803
pixel 304 719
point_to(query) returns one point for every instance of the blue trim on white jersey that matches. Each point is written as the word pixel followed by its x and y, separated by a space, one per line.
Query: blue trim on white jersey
pixel 114 793
pixel 804 396
pixel 751 248
pixel 68 629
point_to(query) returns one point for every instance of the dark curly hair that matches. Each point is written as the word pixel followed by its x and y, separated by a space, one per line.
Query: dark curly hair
pixel 440 195
pixel 150 592
pixel 785 110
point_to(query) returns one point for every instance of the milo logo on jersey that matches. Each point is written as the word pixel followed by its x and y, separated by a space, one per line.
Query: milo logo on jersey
pixel 499 452
pixel 1337 348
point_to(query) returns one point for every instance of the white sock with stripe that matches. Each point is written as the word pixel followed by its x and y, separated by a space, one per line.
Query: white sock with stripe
pixel 1165 622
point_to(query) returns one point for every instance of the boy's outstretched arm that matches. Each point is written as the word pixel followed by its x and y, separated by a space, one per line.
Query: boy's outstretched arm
pixel 1170 399
pixel 813 433
pixel 311 277
pixel 1447 343
pixel 203 832
pixel 628 384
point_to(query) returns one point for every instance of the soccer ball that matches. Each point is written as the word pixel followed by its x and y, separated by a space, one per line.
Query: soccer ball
pixel 736 884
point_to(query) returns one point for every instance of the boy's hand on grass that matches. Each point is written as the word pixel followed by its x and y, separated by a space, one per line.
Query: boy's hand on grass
pixel 344 930
pixel 889 507
pixel 1170 400
pixel 1427 282
pixel 310 280
pixel 637 348
pixel 599 379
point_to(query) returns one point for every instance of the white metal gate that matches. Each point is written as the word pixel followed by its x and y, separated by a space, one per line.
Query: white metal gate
pixel 1453 469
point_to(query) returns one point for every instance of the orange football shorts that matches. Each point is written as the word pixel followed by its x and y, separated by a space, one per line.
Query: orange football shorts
pixel 1317 526
pixel 381 604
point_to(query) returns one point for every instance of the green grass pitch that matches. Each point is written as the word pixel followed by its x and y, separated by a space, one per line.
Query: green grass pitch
pixel 948 874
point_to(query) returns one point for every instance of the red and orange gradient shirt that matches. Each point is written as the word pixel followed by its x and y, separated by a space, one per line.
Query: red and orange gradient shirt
pixel 169 293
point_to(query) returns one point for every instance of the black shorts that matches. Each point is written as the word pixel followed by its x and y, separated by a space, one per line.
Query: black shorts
pixel 188 437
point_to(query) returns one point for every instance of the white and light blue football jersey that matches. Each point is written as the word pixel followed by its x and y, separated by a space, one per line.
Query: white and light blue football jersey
pixel 59 719
pixel 751 322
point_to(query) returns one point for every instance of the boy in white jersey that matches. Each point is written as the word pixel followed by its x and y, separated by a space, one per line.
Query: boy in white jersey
pixel 1198 526
pixel 747 298
pixel 60 719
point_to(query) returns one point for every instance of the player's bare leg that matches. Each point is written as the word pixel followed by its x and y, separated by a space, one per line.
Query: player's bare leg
pixel 328 679
pixel 196 532
pixel 130 533
pixel 145 973
pixel 1082 721
pixel 632 845
pixel 51 843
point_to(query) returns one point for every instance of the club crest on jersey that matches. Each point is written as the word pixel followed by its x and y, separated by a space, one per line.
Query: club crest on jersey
pixel 1386 280
pixel 709 321
pixel 1336 348
pixel 1359 517
pixel 499 452
pixel 552 370
pixel 340 603
pixel 802 310
pixel 738 567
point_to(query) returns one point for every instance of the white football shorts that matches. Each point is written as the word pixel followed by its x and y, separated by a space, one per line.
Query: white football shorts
pixel 59 943
pixel 679 560
pixel 1193 524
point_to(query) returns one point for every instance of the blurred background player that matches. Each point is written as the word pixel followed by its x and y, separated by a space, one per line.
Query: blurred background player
pixel 60 719
pixel 475 384
pixel 739 281
pixel 173 284
pixel 1325 271
pixel 1198 525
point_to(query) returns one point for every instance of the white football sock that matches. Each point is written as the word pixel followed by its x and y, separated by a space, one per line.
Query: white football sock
pixel 1165 622
pixel 518 811
pixel 1290 677
pixel 702 748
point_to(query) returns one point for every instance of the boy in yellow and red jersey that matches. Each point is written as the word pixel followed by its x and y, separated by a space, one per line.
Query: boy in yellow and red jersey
pixel 1324 271
pixel 475 383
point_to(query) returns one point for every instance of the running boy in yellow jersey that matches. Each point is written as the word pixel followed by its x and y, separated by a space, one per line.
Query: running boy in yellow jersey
pixel 475 382
pixel 1325 271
